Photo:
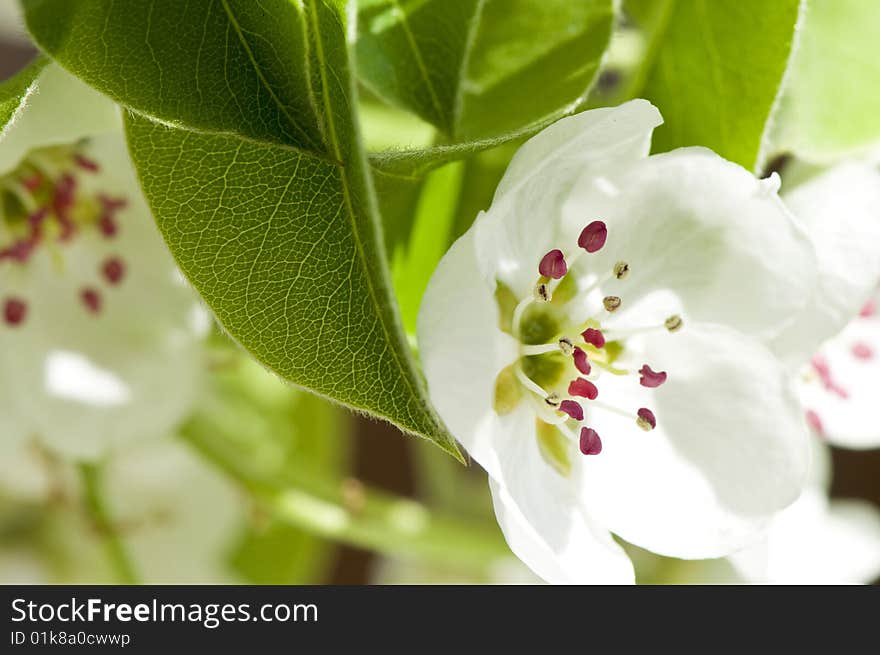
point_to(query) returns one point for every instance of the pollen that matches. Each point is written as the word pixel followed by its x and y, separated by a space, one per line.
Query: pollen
pixel 645 419
pixel 621 270
pixel 611 303
pixel 673 323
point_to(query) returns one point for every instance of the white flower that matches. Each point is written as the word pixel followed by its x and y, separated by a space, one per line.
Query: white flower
pixel 98 334
pixel 678 269
pixel 817 540
pixel 838 385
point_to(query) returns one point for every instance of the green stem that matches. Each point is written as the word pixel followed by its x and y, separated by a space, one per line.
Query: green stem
pixel 348 512
pixel 99 513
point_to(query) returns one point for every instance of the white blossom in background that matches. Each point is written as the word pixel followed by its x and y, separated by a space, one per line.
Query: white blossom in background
pixel 599 341
pixel 99 335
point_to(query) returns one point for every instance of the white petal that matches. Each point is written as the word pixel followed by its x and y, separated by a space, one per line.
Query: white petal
pixel 590 556
pixel 542 517
pixel 462 349
pixel 841 210
pixel 523 221
pixel 60 110
pixel 730 447
pixel 703 228
pixel 817 542
pixel 845 404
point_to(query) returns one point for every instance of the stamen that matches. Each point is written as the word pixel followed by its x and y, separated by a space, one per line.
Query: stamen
pixel 91 299
pixel 815 422
pixel 573 409
pixel 14 311
pixel 673 323
pixel 552 400
pixel 539 349
pixel 107 225
pixel 553 265
pixel 113 270
pixel 611 303
pixel 533 386
pixel 590 443
pixel 593 236
pixel 85 163
pixel 566 346
pixel 863 351
pixel 650 378
pixel 869 309
pixel 646 419
pixel 594 337
pixel 621 270
pixel 542 292
pixel 583 388
pixel 581 362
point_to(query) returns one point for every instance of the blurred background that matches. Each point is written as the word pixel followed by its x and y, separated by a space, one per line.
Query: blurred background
pixel 205 506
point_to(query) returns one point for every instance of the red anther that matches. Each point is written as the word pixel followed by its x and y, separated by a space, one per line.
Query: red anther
pixel 593 236
pixel 32 182
pixel 113 270
pixel 86 164
pixel 68 228
pixel 581 362
pixel 583 388
pixel 651 378
pixel 112 204
pixel 823 370
pixel 553 265
pixel 19 251
pixel 36 219
pixel 815 422
pixel 108 226
pixel 647 416
pixel 869 309
pixel 14 311
pixel 573 409
pixel 862 350
pixel 593 337
pixel 91 299
pixel 590 443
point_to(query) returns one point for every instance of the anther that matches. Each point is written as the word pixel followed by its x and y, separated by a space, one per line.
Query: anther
pixel 593 236
pixel 581 362
pixel 552 400
pixel 583 388
pixel 107 225
pixel 869 309
pixel 815 422
pixel 14 311
pixel 673 323
pixel 113 270
pixel 553 265
pixel 862 350
pixel 566 346
pixel 590 443
pixel 91 299
pixel 650 378
pixel 573 409
pixel 594 337
pixel 542 292
pixel 85 163
pixel 621 270
pixel 646 419
pixel 611 303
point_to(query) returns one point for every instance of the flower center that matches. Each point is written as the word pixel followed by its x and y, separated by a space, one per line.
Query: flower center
pixel 43 206
pixel 560 364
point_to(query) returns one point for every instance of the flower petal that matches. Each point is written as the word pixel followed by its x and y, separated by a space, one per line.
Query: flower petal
pixel 462 349
pixel 702 228
pixel 522 223
pixel 730 447
pixel 542 518
pixel 841 211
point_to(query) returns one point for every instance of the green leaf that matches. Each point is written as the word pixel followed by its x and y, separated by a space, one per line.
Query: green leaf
pixel 278 233
pixel 217 66
pixel 15 90
pixel 716 71
pixel 481 69
pixel 830 104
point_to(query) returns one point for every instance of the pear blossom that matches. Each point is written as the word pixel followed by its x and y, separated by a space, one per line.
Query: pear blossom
pixel 598 342
pixel 837 384
pixel 99 336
